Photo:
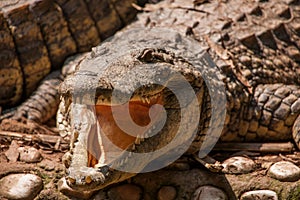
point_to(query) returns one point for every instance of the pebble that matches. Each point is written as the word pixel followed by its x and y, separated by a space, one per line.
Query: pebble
pixel 208 193
pixel 284 171
pixel 125 192
pixel 29 154
pixel 238 165
pixel 12 153
pixel 47 165
pixel 259 194
pixel 20 186
pixel 167 193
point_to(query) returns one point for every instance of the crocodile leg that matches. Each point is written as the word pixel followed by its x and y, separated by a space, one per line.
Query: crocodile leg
pixel 37 109
pixel 42 104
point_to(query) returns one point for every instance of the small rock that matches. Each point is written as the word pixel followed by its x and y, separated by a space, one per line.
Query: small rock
pixel 167 193
pixel 20 186
pixel 64 188
pixel 29 154
pixel 48 165
pixel 208 193
pixel 238 165
pixel 51 194
pixel 125 192
pixel 284 171
pixel 12 153
pixel 259 194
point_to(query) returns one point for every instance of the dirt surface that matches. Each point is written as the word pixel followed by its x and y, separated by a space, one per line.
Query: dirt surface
pixel 51 170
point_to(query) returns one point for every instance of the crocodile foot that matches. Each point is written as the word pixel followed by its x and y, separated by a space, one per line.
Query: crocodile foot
pixel 85 178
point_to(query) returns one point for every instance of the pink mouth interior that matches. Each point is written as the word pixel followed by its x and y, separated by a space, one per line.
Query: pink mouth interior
pixel 139 113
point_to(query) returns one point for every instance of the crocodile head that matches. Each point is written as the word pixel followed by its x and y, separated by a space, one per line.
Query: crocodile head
pixel 135 113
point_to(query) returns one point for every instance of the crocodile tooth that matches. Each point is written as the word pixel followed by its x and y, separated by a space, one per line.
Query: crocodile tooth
pixel 143 100
pixel 68 129
pixel 147 100
pixel 138 140
pixel 65 123
pixel 116 163
pixel 153 127
pixel 68 133
pixel 120 163
pixel 133 147
pixel 125 159
pixel 140 98
pixel 142 139
pixel 146 135
pixel 61 127
pixel 59 118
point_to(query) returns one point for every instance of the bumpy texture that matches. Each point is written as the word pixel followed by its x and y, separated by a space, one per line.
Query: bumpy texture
pixel 256 43
pixel 36 36
pixel 255 46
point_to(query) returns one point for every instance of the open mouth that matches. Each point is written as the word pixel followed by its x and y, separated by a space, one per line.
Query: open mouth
pixel 121 124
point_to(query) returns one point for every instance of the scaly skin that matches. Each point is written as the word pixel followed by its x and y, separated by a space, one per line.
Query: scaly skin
pixel 255 48
pixel 38 35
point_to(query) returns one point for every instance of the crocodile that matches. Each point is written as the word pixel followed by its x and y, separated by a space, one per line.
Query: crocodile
pixel 38 35
pixel 122 104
